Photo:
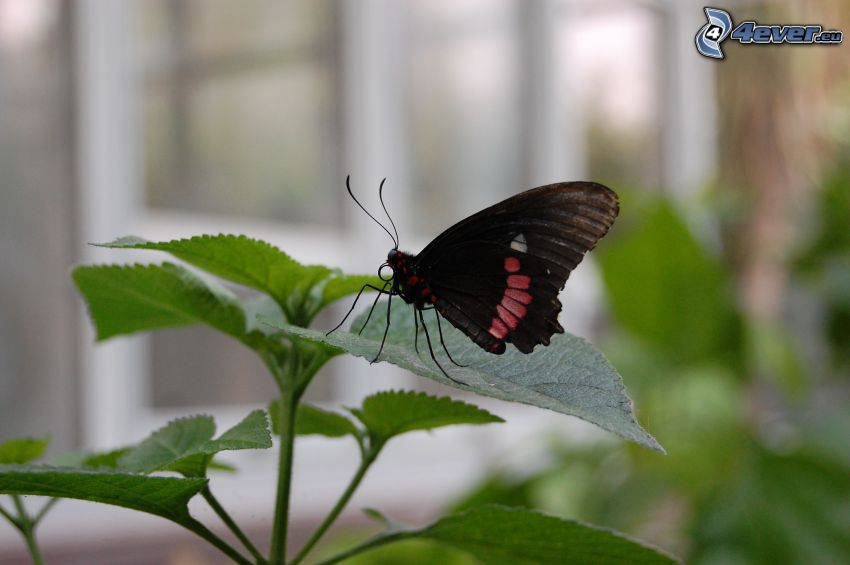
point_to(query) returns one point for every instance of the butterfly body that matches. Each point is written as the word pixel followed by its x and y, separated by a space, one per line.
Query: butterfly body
pixel 408 284
pixel 496 275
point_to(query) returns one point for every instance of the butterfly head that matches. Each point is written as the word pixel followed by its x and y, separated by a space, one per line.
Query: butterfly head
pixel 397 261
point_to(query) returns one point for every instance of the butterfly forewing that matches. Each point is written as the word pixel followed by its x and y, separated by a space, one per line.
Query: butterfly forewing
pixel 497 274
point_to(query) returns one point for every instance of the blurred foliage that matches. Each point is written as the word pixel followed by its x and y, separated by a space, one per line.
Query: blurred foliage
pixel 759 464
pixel 823 265
pixel 414 552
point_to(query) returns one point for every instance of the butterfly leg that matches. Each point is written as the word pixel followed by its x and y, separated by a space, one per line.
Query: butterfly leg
pixel 353 304
pixel 416 332
pixel 386 330
pixel 442 342
pixel 431 350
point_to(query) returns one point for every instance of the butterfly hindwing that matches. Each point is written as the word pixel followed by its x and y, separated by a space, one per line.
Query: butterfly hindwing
pixel 497 274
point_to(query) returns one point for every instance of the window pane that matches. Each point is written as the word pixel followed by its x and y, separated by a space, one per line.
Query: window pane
pixel 235 124
pixel 224 26
pixel 618 88
pixel 463 72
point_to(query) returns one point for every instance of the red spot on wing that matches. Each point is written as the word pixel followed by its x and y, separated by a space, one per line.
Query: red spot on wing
pixel 518 295
pixel 433 298
pixel 412 280
pixel 513 306
pixel 511 264
pixel 498 329
pixel 519 281
pixel 510 320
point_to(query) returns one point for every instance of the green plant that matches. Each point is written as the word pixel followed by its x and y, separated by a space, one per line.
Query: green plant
pixel 569 376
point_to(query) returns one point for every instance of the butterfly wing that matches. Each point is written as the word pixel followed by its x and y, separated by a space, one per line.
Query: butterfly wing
pixel 497 274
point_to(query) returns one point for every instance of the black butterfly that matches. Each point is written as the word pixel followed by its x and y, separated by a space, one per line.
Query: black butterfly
pixel 496 275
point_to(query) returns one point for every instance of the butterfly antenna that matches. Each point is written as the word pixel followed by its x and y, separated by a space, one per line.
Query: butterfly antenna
pixel 350 193
pixel 381 198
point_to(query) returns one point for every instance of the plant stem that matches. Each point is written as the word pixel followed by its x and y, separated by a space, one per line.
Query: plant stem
pixel 8 515
pixel 225 517
pixel 376 541
pixel 48 505
pixel 198 528
pixel 367 460
pixel 27 528
pixel 286 417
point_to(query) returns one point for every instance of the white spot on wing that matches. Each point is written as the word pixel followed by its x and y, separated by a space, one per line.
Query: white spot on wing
pixel 519 243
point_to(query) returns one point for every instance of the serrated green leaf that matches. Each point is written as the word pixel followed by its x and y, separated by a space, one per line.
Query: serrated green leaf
pixel 163 496
pixel 251 433
pixel 124 299
pixel 312 420
pixel 498 535
pixel 186 446
pixel 300 290
pixel 22 450
pixel 176 440
pixel 390 413
pixel 569 376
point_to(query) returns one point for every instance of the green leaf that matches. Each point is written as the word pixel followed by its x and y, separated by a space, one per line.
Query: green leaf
pixel 498 535
pixel 666 289
pixel 390 413
pixel 186 446
pixel 22 450
pixel 124 299
pixel 569 376
pixel 251 433
pixel 105 460
pixel 163 496
pixel 300 290
pixel 179 438
pixel 312 420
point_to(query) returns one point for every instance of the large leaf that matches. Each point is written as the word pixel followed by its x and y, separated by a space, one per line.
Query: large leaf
pixel 22 450
pixel 498 535
pixel 569 376
pixel 390 413
pixel 300 290
pixel 123 299
pixel 163 496
pixel 186 446
pixel 664 287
